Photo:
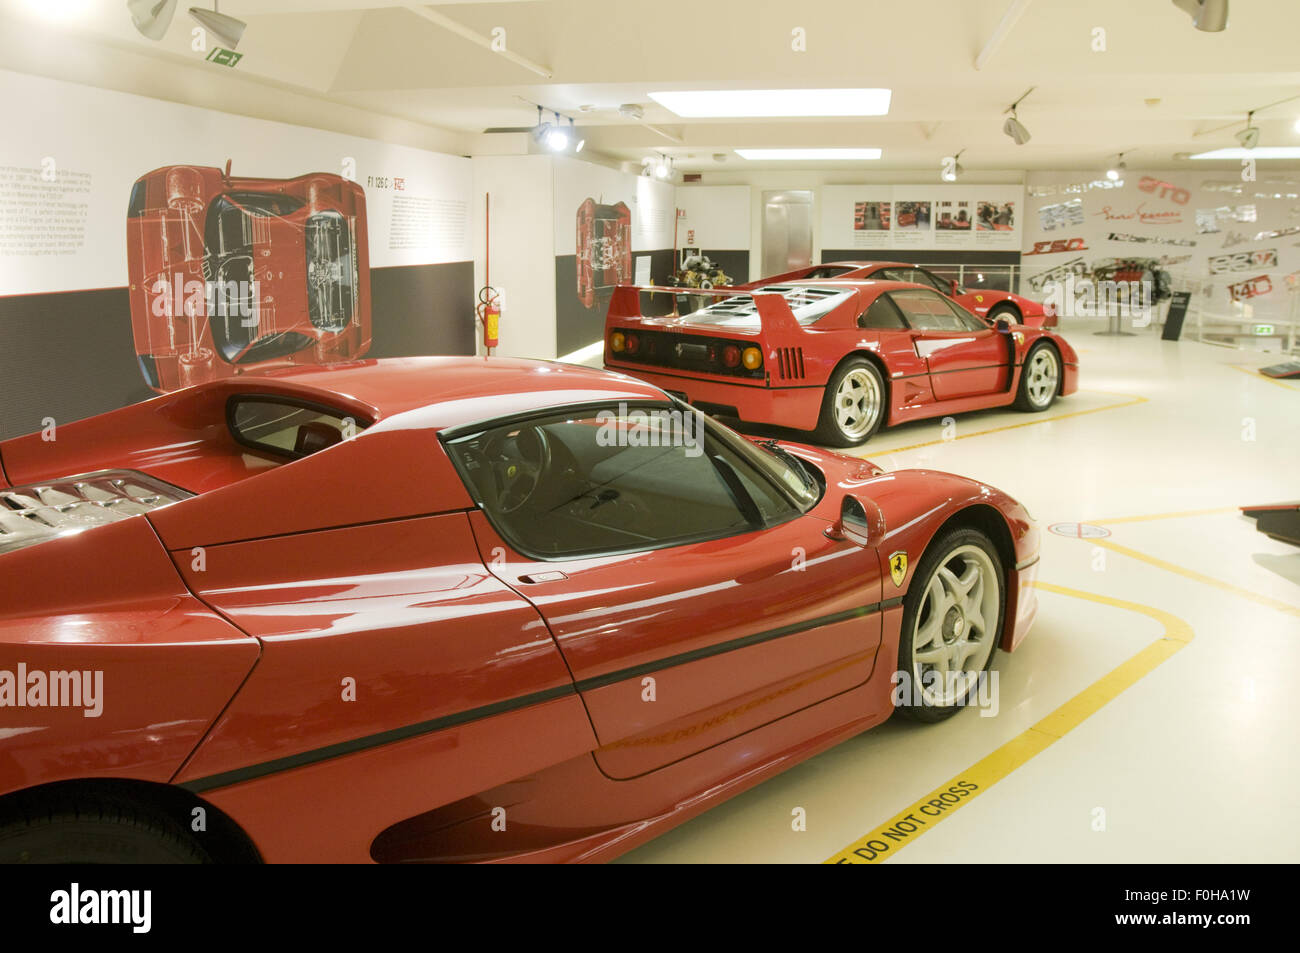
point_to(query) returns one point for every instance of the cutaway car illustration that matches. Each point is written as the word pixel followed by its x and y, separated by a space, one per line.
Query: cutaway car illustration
pixel 987 302
pixel 369 608
pixel 840 358
pixel 234 274
pixel 604 250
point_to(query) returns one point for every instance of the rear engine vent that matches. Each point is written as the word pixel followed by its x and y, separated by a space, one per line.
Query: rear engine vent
pixel 41 511
pixel 789 363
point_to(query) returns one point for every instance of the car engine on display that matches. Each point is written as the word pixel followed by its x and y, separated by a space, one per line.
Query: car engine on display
pixel 562 431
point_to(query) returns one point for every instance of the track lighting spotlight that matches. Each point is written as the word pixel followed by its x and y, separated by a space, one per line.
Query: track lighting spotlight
pixel 950 168
pixel 1249 137
pixel 152 17
pixel 227 30
pixel 1210 16
pixel 1014 128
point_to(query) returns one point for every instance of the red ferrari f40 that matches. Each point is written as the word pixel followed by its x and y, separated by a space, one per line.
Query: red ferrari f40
pixel 840 357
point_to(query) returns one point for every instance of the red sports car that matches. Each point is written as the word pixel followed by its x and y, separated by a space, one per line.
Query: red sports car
pixel 436 609
pixel 838 357
pixel 991 303
pixel 230 274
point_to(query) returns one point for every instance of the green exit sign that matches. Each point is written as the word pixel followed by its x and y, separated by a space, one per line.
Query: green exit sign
pixel 1264 329
pixel 224 57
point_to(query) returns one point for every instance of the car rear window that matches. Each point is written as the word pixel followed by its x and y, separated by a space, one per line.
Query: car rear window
pixel 288 428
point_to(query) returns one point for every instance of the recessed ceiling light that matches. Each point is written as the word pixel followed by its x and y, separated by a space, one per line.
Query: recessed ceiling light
pixel 728 103
pixel 1259 152
pixel 811 154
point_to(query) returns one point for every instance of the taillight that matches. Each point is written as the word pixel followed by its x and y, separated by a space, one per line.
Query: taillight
pixel 616 342
pixel 753 358
pixel 731 356
pixel 632 344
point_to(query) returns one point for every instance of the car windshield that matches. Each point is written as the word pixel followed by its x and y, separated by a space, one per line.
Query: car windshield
pixel 809 303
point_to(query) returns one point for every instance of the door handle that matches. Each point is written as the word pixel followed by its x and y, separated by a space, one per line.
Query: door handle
pixel 536 577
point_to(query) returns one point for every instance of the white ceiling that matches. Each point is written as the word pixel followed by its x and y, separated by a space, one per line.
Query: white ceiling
pixel 1160 88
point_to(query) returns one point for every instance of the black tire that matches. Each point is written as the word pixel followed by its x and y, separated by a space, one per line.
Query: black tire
pixel 829 431
pixel 940 552
pixel 99 830
pixel 1025 399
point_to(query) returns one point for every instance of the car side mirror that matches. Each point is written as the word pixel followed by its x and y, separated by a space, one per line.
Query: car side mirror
pixel 860 523
pixel 1003 325
pixel 953 288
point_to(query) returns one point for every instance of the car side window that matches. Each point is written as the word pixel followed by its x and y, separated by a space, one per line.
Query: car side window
pixel 883 314
pixel 968 321
pixel 924 277
pixel 927 310
pixel 894 274
pixel 618 479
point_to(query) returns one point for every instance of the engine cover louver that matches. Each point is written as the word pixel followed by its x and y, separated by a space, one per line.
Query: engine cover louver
pixel 43 511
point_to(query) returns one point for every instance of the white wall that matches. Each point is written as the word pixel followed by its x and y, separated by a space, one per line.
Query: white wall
pixel 779 180
pixel 523 249
pixel 718 214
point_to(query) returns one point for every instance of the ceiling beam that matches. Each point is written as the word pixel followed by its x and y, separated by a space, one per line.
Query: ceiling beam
pixel 1004 27
pixel 447 23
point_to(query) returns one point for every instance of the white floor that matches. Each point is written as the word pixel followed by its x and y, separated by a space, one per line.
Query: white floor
pixel 1194 761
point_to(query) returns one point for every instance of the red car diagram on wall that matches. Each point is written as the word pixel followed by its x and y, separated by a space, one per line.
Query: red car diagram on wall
pixel 604 250
pixel 230 275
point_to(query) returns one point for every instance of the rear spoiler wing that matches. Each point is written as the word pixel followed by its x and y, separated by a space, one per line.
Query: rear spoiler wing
pixel 774 312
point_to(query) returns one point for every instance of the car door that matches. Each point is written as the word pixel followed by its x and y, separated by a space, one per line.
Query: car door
pixel 965 357
pixel 690 594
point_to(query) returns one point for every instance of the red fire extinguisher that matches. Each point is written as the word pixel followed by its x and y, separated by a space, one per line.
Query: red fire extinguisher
pixel 489 312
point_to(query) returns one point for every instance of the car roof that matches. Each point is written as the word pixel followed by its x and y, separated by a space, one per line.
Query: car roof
pixel 866 264
pixel 454 391
pixel 874 285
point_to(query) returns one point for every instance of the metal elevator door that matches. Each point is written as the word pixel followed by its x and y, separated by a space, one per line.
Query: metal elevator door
pixel 787 230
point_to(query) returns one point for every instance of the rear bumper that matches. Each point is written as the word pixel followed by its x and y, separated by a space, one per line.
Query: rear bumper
pixel 794 407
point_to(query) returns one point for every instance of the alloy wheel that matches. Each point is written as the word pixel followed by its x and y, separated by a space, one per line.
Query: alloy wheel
pixel 956 626
pixel 857 403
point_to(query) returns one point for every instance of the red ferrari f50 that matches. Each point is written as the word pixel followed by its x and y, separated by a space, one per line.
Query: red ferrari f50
pixel 439 609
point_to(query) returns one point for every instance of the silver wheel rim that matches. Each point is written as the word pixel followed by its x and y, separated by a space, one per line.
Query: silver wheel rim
pixel 857 403
pixel 1042 376
pixel 955 627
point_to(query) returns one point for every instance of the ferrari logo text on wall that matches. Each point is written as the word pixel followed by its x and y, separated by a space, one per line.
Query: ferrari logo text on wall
pixel 1244 261
pixel 1251 288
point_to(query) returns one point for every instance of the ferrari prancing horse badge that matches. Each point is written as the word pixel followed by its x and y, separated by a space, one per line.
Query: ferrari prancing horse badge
pixel 898 567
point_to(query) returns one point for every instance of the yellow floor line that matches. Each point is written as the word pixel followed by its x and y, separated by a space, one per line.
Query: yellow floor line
pixel 1165 516
pixel 1254 372
pixel 906 826
pixel 883 451
pixel 1199 577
